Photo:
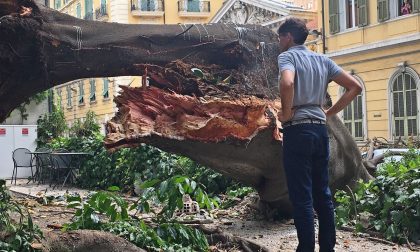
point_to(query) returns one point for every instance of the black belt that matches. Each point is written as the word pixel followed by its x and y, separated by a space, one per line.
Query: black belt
pixel 301 121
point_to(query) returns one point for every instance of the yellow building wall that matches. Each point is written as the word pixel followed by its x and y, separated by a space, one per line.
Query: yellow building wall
pixel 375 66
pixel 374 32
pixel 375 69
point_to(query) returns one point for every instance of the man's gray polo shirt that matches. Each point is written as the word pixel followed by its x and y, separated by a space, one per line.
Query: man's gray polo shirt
pixel 312 74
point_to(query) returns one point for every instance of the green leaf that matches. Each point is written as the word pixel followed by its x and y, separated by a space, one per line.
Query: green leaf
pixel 197 72
pixel 149 183
pixel 113 189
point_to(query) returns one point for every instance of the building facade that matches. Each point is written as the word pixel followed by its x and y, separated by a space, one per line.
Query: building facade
pixel 78 97
pixel 378 42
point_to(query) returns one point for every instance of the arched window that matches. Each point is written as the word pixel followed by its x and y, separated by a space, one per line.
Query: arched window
pixel 404 103
pixel 353 115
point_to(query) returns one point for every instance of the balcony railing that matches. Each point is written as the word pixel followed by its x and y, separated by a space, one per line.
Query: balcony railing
pixel 147 7
pixel 101 12
pixel 193 6
pixel 89 16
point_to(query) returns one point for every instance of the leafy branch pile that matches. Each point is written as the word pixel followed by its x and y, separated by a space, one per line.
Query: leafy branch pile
pixel 15 236
pixel 108 212
pixel 389 204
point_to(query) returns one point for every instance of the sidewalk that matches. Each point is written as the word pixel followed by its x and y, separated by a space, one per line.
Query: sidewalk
pixel 32 189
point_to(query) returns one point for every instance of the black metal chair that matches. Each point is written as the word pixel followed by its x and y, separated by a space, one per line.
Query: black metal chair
pixel 43 164
pixel 60 167
pixel 21 159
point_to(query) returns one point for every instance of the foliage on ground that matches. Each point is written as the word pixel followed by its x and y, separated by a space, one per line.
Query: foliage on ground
pixel 15 236
pixel 107 211
pixel 389 204
pixel 169 193
pixel 235 193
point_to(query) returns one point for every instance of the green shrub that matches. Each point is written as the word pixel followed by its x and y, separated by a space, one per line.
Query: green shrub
pixel 51 126
pixel 123 167
pixel 85 128
pixel 389 204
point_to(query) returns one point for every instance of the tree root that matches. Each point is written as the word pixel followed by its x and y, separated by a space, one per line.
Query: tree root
pixel 86 241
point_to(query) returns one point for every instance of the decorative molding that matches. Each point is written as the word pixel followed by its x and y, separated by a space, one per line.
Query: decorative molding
pixel 376 45
pixel 242 13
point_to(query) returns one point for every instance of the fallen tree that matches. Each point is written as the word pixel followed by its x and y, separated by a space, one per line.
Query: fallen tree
pixel 213 94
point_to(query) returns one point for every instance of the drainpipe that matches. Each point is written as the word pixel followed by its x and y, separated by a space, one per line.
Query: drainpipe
pixel 324 48
pixel 164 13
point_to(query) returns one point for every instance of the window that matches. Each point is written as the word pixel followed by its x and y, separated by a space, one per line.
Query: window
pixel 147 5
pixel 405 104
pixel 383 10
pixel 88 9
pixel 79 11
pixel 105 93
pixel 353 115
pixel 393 8
pixel 59 98
pixel 347 14
pixel 81 93
pixel 57 4
pixel 416 5
pixel 351 14
pixel 68 90
pixel 92 96
pixel 193 5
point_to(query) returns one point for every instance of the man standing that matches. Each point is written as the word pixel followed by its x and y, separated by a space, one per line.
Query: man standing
pixel 304 76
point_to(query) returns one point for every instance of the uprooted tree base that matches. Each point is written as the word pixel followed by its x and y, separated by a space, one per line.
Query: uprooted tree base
pixel 224 119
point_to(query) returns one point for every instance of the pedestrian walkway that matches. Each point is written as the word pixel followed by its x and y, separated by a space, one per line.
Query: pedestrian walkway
pixel 36 190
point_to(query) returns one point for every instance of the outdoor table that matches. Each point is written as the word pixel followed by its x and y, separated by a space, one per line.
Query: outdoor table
pixel 35 156
pixel 71 160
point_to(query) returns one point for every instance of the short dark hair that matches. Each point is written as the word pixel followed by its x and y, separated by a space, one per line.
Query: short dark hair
pixel 296 27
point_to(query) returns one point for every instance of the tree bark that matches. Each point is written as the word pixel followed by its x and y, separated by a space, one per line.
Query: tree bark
pixel 86 241
pixel 224 116
pixel 44 48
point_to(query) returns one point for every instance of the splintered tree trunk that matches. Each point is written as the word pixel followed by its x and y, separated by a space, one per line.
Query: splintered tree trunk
pixel 222 114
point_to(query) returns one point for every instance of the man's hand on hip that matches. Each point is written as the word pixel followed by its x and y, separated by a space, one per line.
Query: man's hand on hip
pixel 285 115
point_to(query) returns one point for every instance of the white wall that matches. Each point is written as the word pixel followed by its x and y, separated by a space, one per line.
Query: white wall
pixel 33 110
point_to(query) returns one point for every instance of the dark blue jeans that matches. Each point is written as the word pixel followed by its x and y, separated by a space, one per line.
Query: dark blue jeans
pixel 305 157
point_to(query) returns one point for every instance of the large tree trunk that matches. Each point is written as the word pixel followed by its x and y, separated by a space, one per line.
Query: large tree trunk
pixel 44 48
pixel 225 118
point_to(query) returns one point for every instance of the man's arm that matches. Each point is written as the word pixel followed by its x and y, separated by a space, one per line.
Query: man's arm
pixel 286 95
pixel 353 88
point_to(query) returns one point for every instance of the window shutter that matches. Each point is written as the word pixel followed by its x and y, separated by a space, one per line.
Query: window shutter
pixel 68 89
pixel 363 12
pixel 334 17
pixel 92 96
pixel 105 93
pixel 79 11
pixel 81 93
pixel 416 5
pixel 383 10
